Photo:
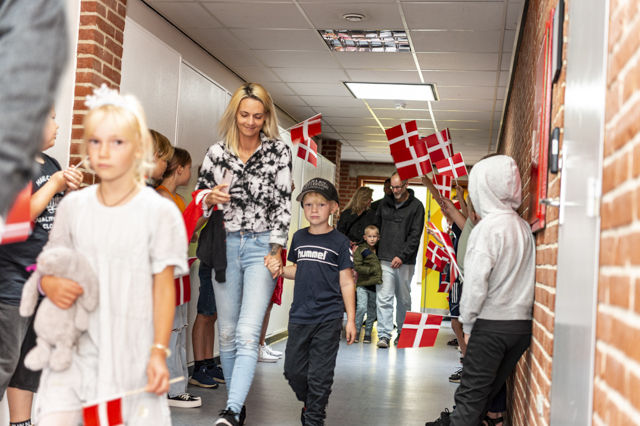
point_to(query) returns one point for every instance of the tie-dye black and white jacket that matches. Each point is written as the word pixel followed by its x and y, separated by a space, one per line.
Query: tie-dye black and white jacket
pixel 260 190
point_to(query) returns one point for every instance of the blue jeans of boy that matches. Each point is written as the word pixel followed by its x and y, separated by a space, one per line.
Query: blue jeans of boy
pixel 242 302
pixel 365 304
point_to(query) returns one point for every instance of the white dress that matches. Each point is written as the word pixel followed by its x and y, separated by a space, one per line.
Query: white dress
pixel 125 245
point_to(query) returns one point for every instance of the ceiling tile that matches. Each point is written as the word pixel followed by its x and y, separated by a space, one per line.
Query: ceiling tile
pixel 504 78
pixel 514 10
pixel 333 101
pixel 381 103
pixel 292 58
pixel 350 121
pixel 456 41
pixel 243 15
pixel 470 92
pixel 281 39
pixel 463 115
pixel 384 76
pixel 466 105
pixel 354 137
pixel 377 60
pixel 509 41
pixel 347 112
pixel 501 92
pixel 191 15
pixel 359 129
pixel 353 156
pixel 379 16
pixel 277 88
pixel 403 115
pixel 257 74
pixel 454 15
pixel 215 39
pixel 458 61
pixel 235 58
pixel 506 62
pixel 299 112
pixel 329 135
pixel 288 100
pixel 465 125
pixel 460 78
pixel 373 143
pixel 310 75
pixel 320 89
pixel 457 133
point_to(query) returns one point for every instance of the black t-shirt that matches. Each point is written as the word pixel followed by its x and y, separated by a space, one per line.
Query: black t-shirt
pixel 15 258
pixel 319 258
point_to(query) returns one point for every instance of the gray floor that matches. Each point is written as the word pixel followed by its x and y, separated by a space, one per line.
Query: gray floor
pixel 372 387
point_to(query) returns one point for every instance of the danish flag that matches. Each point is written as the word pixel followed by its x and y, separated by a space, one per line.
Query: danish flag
pixel 183 285
pixel 448 245
pixel 412 162
pixel 403 136
pixel 439 145
pixel 444 287
pixel 19 225
pixel 452 166
pixel 457 205
pixel 106 413
pixel 419 330
pixel 443 185
pixel 308 151
pixel 307 129
pixel 436 257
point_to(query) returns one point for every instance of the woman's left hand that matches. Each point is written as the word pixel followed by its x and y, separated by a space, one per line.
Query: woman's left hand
pixel 157 373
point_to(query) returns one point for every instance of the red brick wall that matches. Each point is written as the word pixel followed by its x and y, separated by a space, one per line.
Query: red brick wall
pixel 532 376
pixel 99 60
pixel 617 366
pixel 332 151
pixel 348 184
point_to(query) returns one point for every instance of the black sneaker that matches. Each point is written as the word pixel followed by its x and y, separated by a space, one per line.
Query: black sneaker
pixel 455 377
pixel 243 415
pixel 302 415
pixel 443 420
pixel 227 418
pixel 453 342
pixel 383 342
pixel 215 371
pixel 367 339
pixel 184 401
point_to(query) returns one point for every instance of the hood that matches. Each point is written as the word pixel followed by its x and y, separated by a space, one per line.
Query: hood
pixel 392 200
pixel 494 186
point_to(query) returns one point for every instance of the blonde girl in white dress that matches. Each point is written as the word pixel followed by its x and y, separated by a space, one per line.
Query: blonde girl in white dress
pixel 135 241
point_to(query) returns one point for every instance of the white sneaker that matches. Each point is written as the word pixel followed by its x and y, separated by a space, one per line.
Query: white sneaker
pixel 264 356
pixel 271 351
pixel 185 401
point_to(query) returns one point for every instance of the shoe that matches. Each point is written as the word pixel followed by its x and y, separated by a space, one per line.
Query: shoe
pixel 203 379
pixel 443 420
pixel 395 342
pixel 264 356
pixel 453 342
pixel 273 352
pixel 184 401
pixel 367 339
pixel 302 415
pixel 455 377
pixel 493 422
pixel 227 418
pixel 243 415
pixel 216 373
pixel 383 342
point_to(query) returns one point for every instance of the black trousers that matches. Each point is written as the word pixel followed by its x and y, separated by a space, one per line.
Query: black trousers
pixel 310 361
pixel 490 359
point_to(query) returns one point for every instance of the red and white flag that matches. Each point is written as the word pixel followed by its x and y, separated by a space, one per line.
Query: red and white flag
pixel 307 129
pixel 419 330
pixel 18 225
pixel 308 151
pixel 106 413
pixel 436 257
pixel 456 204
pixel 412 162
pixel 439 145
pixel 452 166
pixel 448 245
pixel 443 185
pixel 402 136
pixel 183 285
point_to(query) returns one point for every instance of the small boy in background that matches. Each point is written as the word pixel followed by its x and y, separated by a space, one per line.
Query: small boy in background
pixel 324 289
pixel 369 269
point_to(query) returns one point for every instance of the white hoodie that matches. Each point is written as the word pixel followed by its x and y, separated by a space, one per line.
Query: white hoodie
pixel 500 258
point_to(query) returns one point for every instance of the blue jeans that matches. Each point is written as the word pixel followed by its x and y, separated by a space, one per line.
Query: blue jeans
pixel 242 303
pixel 365 304
pixel 177 362
pixel 395 282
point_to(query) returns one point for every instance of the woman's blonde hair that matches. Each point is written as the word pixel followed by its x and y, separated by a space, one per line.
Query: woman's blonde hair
pixel 228 128
pixel 360 199
pixel 131 124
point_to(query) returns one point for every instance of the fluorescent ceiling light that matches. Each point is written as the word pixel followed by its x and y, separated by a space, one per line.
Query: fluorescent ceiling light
pixel 405 92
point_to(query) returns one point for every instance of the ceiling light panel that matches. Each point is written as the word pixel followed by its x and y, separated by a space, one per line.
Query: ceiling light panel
pixel 405 92
pixel 366 40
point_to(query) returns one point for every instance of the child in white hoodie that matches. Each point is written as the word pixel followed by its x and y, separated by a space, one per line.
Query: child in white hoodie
pixel 497 304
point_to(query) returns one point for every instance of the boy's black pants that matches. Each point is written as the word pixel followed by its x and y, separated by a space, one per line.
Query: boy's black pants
pixel 310 361
pixel 490 359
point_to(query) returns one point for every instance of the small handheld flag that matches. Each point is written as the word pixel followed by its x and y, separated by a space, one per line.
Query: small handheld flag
pixel 18 225
pixel 443 185
pixel 436 257
pixel 402 136
pixel 419 330
pixel 412 162
pixel 439 145
pixel 453 166
pixel 308 151
pixel 307 129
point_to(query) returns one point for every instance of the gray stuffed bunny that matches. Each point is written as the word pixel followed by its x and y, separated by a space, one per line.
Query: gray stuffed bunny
pixel 55 327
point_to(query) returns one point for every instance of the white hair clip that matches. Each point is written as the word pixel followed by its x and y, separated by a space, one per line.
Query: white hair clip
pixel 106 96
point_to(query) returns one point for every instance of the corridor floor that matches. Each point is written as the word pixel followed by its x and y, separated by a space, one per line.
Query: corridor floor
pixel 373 387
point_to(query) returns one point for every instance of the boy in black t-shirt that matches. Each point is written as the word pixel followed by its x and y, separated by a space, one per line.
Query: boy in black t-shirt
pixel 324 289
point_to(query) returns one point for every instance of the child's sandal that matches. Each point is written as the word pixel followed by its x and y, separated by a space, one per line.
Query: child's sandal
pixel 493 422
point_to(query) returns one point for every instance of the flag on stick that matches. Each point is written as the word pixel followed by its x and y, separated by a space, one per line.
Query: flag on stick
pixel 443 185
pixel 106 413
pixel 18 225
pixel 183 285
pixel 307 129
pixel 419 330
pixel 452 166
pixel 448 245
pixel 412 162
pixel 403 136
pixel 308 151
pixel 439 146
pixel 436 257
pixel 444 287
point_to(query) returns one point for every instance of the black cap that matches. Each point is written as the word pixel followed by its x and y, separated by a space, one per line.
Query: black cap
pixel 322 187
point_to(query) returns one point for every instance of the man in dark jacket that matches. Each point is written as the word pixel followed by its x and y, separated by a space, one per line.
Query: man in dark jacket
pixel 400 218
